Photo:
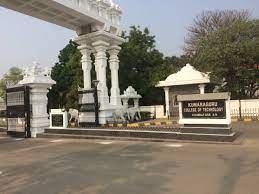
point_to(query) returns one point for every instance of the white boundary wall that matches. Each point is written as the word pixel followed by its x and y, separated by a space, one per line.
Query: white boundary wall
pixel 157 111
pixel 250 108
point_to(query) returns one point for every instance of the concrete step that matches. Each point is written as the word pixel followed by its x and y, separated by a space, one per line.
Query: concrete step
pixel 238 140
pixel 3 129
pixel 207 130
pixel 67 136
pixel 3 134
pixel 135 134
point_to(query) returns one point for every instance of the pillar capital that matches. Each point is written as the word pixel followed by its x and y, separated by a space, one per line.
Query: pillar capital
pixel 166 89
pixel 86 52
pixel 114 50
pixel 100 46
pixel 114 66
pixel 85 47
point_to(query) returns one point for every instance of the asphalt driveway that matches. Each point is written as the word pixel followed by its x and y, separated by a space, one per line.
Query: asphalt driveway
pixel 44 166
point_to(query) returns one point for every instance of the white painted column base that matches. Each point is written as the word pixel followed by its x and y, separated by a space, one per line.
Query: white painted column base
pixel 115 97
pixel 38 124
pixel 39 101
pixel 105 115
pixel 86 117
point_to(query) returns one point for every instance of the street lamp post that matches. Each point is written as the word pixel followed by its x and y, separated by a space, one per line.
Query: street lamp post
pixel 96 103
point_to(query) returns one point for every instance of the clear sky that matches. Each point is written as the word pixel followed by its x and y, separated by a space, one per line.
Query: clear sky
pixel 24 39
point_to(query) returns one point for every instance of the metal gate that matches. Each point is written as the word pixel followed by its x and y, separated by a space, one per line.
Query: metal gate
pixel 18 111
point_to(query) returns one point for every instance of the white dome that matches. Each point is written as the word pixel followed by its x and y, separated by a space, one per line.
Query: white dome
pixel 187 75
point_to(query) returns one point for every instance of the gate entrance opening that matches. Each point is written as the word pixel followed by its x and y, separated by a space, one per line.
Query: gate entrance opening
pixel 18 111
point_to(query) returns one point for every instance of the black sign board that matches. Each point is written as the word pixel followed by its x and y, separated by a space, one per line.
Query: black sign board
pixel 57 120
pixel 204 109
pixel 90 107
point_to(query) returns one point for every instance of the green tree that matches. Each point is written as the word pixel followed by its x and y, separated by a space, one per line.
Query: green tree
pixel 68 75
pixel 229 53
pixel 13 76
pixel 211 21
pixel 142 65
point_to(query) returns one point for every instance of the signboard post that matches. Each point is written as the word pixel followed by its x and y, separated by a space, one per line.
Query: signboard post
pixel 58 118
pixel 211 108
pixel 205 113
pixel 89 107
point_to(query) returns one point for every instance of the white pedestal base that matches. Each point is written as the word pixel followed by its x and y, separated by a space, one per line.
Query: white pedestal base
pixel 105 115
pixel 86 117
pixel 38 125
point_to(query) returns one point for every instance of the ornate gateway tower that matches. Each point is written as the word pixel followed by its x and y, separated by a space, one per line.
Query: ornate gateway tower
pixel 97 23
pixel 100 39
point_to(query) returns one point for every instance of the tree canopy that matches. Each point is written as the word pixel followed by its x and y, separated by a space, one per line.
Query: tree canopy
pixel 231 53
pixel 68 75
pixel 211 21
pixel 13 76
pixel 142 65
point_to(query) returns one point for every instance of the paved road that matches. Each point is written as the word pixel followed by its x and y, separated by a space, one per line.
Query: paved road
pixel 44 166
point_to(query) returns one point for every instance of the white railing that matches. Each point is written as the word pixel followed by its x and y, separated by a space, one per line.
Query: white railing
pixel 244 108
pixel 103 8
pixel 247 112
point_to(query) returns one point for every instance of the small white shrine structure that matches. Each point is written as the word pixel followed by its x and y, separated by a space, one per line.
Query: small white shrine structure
pixel 130 93
pixel 39 81
pixel 132 112
pixel 187 81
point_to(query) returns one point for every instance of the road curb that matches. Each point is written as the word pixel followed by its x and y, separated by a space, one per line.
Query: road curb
pixel 135 125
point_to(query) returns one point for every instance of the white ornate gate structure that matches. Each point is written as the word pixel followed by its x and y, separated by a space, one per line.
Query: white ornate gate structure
pixel 97 24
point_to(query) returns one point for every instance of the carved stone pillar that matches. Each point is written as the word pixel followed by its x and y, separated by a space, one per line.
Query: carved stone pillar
pixel 202 88
pixel 125 103
pixel 96 66
pixel 86 65
pixel 114 67
pixel 167 103
pixel 39 101
pixel 39 83
pixel 101 64
pixel 136 102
